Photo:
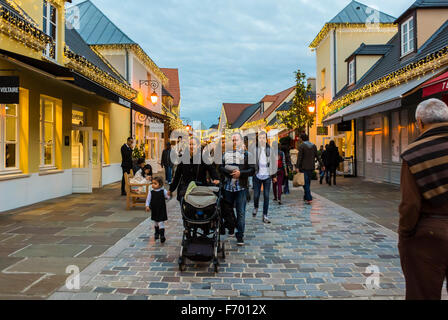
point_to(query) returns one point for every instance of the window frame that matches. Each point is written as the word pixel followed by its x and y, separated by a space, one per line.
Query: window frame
pixel 105 117
pixel 351 77
pixel 4 142
pixel 42 142
pixel 46 27
pixel 410 34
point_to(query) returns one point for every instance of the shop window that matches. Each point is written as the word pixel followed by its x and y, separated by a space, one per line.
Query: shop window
pixel 407 36
pixel 50 28
pixel 47 132
pixel 9 153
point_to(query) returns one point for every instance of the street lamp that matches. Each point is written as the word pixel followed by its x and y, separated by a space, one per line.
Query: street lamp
pixel 154 85
pixel 311 110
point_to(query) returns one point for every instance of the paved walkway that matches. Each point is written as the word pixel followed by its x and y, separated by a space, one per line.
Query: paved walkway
pixel 38 242
pixel 318 252
pixel 375 201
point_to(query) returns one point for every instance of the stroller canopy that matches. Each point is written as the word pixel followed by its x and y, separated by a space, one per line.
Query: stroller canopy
pixel 201 197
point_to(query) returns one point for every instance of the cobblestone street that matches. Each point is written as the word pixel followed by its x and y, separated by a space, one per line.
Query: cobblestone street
pixel 318 252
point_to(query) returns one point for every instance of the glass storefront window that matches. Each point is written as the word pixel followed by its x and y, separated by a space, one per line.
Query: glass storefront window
pixel 9 136
pixel 47 131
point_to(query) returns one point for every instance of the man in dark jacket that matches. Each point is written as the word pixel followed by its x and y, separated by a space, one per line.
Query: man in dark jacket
pixel 126 162
pixel 166 163
pixel 423 226
pixel 189 172
pixel 236 184
pixel 306 163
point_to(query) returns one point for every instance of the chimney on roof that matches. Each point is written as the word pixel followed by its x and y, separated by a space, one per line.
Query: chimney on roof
pixel 311 81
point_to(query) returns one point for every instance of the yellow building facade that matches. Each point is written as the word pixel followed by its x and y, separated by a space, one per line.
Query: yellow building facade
pixel 337 40
pixel 61 137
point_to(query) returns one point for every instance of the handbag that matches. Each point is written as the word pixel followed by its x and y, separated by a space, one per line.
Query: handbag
pixel 299 180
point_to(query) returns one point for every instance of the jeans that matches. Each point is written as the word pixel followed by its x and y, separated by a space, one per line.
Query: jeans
pixel 257 192
pixel 238 200
pixel 286 184
pixel 307 187
pixel 168 174
pixel 278 186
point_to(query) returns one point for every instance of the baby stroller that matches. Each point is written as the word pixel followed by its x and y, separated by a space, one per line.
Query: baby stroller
pixel 201 213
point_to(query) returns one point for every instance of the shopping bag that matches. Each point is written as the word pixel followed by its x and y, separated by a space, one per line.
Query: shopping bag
pixel 299 180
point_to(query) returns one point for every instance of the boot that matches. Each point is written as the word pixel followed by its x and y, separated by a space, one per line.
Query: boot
pixel 162 236
pixel 157 233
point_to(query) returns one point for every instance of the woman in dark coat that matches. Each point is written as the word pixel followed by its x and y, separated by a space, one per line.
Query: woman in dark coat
pixel 332 160
pixel 188 172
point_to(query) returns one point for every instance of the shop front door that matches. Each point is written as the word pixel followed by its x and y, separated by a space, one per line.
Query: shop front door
pixel 82 160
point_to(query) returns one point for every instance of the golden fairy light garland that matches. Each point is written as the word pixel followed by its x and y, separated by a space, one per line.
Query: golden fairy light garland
pixel 140 54
pixel 88 69
pixel 248 125
pixel 16 7
pixel 16 27
pixel 108 64
pixel 329 26
pixel 430 63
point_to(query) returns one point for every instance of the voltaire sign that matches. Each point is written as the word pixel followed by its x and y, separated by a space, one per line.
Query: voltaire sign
pixel 9 89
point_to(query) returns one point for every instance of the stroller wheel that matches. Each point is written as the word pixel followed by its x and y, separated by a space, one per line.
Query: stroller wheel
pixel 182 265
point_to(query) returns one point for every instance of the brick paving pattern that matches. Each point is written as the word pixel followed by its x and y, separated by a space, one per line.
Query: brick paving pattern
pixel 38 242
pixel 318 252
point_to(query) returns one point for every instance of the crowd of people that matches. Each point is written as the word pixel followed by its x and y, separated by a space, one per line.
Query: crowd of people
pixel 244 167
pixel 423 211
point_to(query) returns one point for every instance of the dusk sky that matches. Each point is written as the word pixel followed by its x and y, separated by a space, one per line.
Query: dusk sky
pixel 232 50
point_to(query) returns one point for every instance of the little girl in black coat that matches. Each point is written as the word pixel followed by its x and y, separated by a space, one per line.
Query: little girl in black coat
pixel 156 203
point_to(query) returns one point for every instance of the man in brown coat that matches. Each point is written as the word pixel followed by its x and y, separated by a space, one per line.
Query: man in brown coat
pixel 423 226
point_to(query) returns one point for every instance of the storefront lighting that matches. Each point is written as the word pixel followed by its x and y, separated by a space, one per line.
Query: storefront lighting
pixel 311 108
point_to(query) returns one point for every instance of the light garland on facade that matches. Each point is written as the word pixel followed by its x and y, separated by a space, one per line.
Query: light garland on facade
pixel 16 7
pixel 21 30
pixel 175 124
pixel 108 64
pixel 329 26
pixel 84 66
pixel 140 54
pixel 430 63
pixel 253 124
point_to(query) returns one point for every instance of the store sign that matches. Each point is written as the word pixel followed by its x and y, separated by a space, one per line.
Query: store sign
pixel 345 126
pixel 156 127
pixel 124 102
pixel 322 131
pixel 9 90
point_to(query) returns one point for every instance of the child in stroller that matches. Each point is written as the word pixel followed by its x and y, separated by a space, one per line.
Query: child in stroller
pixel 201 213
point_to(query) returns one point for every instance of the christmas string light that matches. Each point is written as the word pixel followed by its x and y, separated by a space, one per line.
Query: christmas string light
pixel 363 26
pixel 430 63
pixel 138 51
pixel 17 28
pixel 84 66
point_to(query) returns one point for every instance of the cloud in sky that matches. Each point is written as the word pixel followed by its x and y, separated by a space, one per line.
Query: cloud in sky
pixel 232 50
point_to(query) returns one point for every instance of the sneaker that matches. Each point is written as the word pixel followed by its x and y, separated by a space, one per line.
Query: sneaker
pixel 231 233
pixel 280 202
pixel 266 220
pixel 254 213
pixel 240 242
pixel 309 202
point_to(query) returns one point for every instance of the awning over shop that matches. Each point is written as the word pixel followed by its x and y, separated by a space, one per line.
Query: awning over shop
pixel 386 100
pixel 69 76
pixel 437 85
